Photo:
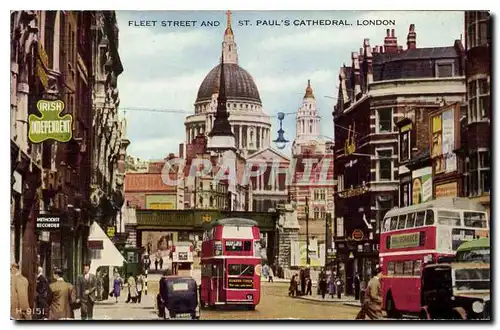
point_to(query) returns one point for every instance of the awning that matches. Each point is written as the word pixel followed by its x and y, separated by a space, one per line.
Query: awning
pixel 109 255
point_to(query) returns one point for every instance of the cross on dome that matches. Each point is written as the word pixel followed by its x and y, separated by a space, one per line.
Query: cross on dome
pixel 228 28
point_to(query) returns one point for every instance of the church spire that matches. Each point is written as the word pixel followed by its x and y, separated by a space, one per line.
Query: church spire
pixel 221 127
pixel 309 91
pixel 229 49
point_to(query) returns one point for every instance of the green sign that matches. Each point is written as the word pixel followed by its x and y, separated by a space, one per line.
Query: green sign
pixel 51 125
pixel 405 241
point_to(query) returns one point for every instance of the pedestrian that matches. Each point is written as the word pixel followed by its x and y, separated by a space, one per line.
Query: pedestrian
pixel 308 286
pixel 372 304
pixel 356 285
pixel 19 302
pixel 100 286
pixel 86 287
pixel 162 295
pixel 331 285
pixel 322 286
pixel 265 271
pixel 156 264
pixel 161 262
pixel 270 275
pixel 61 298
pixel 338 286
pixel 292 289
pixel 42 293
pixel 139 284
pixel 117 286
pixel 132 289
pixel 302 282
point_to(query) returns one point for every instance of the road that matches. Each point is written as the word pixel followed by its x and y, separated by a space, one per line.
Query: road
pixel 275 304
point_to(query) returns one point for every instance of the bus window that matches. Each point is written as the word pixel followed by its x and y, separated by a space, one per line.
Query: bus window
pixel 387 225
pixel 408 268
pixel 448 218
pixel 402 221
pixel 399 268
pixel 390 268
pixel 410 221
pixel 240 270
pixel 247 246
pixel 419 222
pixel 475 219
pixel 394 223
pixel 429 217
pixel 417 264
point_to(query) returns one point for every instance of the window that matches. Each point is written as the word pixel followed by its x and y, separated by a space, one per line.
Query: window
pixel 475 219
pixel 477 29
pixel 394 223
pixel 444 70
pixel 448 218
pixel 240 270
pixel 419 222
pixel 408 268
pixel 405 192
pixel 384 120
pixel 201 201
pixel 429 218
pixel 391 268
pixel 316 213
pixel 387 225
pixel 211 201
pixel 410 221
pixel 322 214
pixel 340 183
pixel 417 266
pixel 479 173
pixel 384 165
pixel 478 94
pixel 340 227
pixel 399 268
pixel 404 146
pixel 402 221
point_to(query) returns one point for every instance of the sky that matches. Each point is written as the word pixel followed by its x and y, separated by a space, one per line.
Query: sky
pixel 164 66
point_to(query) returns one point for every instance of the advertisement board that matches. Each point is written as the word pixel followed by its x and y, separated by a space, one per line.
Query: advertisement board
pixel 402 241
pixel 422 185
pixel 443 141
pixel 161 202
pixel 48 222
pixel 239 283
pixel 447 190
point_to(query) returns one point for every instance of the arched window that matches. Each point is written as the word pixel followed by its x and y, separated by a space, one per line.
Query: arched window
pixel 201 201
pixel 211 201
pixel 311 126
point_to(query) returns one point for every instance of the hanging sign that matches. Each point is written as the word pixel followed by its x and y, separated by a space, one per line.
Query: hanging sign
pixel 50 125
pixel 357 235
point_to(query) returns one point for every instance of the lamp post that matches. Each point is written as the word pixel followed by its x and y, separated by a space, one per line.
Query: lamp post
pixel 281 141
pixel 307 231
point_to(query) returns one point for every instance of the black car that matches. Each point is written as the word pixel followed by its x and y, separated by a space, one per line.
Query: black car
pixel 179 296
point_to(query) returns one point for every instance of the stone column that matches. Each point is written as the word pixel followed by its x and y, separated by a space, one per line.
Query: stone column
pixel 240 136
pixel 288 233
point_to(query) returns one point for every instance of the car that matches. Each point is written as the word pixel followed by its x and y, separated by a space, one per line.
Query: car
pixel 178 298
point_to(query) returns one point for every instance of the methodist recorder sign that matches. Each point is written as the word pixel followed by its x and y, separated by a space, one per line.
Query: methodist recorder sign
pixel 48 222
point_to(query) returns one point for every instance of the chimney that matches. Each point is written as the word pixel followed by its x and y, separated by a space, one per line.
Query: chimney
pixel 181 150
pixel 391 42
pixel 355 67
pixel 412 38
pixel 368 57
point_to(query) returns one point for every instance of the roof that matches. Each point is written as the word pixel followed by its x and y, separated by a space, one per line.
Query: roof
pixel 239 84
pixel 443 203
pixel 241 222
pixel 480 243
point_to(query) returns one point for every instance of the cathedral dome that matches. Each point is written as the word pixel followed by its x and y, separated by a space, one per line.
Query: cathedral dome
pixel 239 84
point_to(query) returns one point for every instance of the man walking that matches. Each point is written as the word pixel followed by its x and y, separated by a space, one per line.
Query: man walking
pixel 86 286
pixel 62 296
pixel 42 291
pixel 372 305
pixel 19 303
pixel 139 285
pixel 357 286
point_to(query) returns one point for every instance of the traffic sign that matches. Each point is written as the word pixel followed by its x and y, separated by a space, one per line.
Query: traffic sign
pixel 357 235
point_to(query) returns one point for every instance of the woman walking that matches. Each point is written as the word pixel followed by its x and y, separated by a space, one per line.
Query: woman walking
pixel 117 286
pixel 331 285
pixel 132 289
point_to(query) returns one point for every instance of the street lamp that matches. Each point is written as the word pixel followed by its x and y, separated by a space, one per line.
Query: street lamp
pixel 307 231
pixel 281 141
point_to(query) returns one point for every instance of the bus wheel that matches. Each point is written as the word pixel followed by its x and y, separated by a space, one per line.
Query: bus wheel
pixel 392 312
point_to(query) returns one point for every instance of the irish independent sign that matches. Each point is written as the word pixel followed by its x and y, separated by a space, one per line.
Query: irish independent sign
pixel 50 125
pixel 48 222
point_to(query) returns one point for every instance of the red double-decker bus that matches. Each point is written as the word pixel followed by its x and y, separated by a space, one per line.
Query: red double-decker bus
pixel 230 263
pixel 414 235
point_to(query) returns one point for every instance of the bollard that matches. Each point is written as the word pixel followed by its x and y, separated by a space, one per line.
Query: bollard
pixel 146 282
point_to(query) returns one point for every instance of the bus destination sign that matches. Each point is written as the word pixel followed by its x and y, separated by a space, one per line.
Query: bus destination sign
pixel 240 283
pixel 234 246
pixel 402 241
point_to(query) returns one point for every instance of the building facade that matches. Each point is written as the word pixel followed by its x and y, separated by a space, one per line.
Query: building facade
pixel 382 86
pixel 477 150
pixel 109 142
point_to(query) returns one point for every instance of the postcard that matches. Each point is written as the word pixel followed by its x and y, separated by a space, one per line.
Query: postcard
pixel 222 165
